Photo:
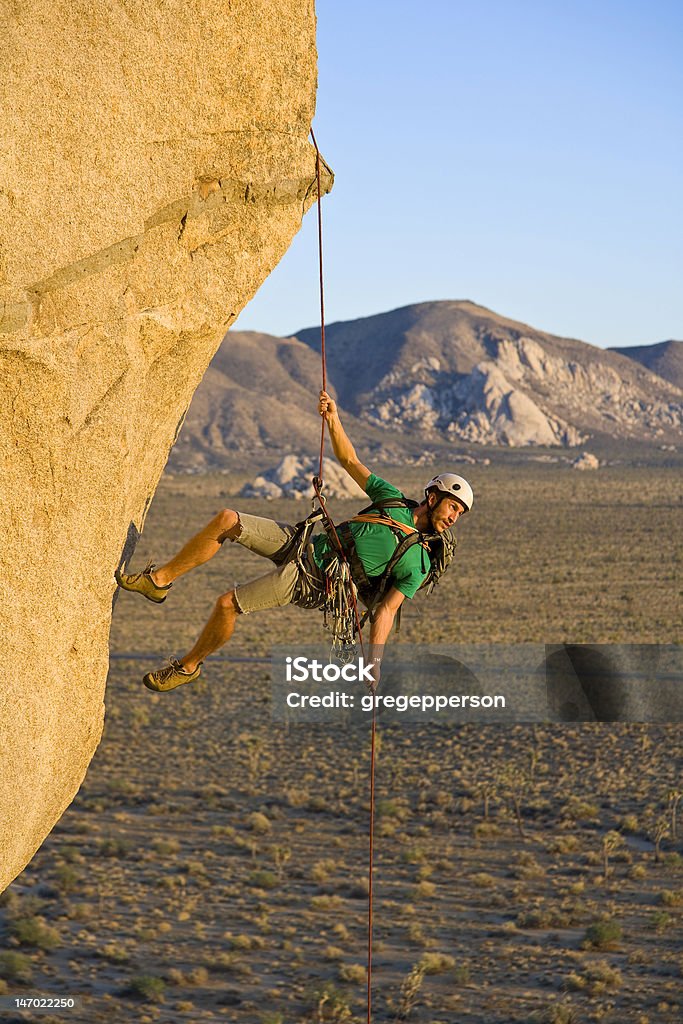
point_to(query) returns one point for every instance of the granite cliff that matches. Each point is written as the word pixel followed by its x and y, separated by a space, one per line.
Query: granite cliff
pixel 154 167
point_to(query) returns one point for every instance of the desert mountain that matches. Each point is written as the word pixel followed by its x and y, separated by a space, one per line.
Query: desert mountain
pixel 421 375
pixel 460 368
pixel 258 393
pixel 664 359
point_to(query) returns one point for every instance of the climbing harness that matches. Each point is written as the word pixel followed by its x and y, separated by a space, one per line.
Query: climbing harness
pixel 440 549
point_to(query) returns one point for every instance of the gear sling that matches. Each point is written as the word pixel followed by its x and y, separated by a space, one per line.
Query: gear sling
pixel 371 589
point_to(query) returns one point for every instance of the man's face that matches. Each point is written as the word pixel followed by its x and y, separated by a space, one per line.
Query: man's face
pixel 444 512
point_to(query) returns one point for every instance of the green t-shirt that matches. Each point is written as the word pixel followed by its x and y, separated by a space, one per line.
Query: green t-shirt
pixel 376 544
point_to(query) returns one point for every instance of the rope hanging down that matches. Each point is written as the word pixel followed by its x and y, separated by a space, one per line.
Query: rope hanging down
pixel 317 485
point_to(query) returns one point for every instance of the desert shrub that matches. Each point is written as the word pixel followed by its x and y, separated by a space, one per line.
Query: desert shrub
pixel 482 880
pixel 296 797
pixel 424 890
pixel 341 931
pixel 198 976
pixel 123 787
pixel 556 1013
pixel 670 898
pixel 527 866
pixel 262 879
pixel 603 934
pixel 355 973
pixel 258 823
pixel 71 854
pixel 534 918
pixel 357 888
pixel 660 921
pixel 628 823
pixel 596 978
pixel 563 845
pixel 244 942
pixel 223 830
pixel 413 855
pixel 396 809
pixel 165 847
pixel 113 848
pixel 322 869
pixel 318 804
pixel 580 810
pixel 196 868
pixel 9 901
pixel 333 953
pixel 436 963
pixel 171 882
pixel 67 879
pixel 15 967
pixel 33 931
pixel 80 911
pixel 416 934
pixel 486 830
pixel 115 953
pixel 325 902
pixel 147 987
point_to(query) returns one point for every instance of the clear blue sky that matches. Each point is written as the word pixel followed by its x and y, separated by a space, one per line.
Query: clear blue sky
pixel 524 154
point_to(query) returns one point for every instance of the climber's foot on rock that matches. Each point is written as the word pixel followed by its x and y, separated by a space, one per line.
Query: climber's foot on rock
pixel 142 583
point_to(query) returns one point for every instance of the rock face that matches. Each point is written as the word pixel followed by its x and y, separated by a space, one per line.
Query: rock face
pixel 291 478
pixel 154 167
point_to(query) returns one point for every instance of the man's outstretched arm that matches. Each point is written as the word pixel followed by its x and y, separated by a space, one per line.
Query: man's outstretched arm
pixel 341 445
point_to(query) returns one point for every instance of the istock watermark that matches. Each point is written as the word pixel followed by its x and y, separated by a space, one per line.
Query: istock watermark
pixel 487 683
pixel 302 670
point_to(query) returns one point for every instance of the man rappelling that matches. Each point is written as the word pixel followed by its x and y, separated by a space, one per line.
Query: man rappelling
pixel 393 548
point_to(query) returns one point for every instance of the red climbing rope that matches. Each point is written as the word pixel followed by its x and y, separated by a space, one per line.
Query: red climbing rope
pixel 322 297
pixel 318 490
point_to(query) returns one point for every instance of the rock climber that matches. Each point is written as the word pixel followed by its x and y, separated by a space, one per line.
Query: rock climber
pixel 371 542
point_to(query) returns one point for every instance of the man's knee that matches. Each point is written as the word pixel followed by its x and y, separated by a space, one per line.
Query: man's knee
pixel 227 604
pixel 229 525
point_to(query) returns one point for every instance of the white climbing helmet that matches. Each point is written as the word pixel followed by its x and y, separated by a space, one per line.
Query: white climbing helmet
pixel 453 484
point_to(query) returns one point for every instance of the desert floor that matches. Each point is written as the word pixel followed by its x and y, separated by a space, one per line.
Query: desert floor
pixel 214 863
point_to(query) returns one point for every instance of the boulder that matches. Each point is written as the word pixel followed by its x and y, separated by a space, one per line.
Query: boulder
pixel 586 460
pixel 155 164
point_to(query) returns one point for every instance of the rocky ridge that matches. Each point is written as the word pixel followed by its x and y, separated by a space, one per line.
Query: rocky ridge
pixel 420 377
pixel 460 368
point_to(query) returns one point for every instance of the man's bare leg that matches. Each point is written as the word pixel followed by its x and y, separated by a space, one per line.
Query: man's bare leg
pixel 202 547
pixel 216 632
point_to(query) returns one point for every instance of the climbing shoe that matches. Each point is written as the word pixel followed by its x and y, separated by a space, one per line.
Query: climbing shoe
pixel 169 677
pixel 142 583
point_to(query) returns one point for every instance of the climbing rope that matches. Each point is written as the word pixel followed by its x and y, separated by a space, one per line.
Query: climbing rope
pixel 332 533
pixel 323 356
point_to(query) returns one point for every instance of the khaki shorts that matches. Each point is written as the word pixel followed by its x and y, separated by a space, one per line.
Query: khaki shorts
pixel 287 584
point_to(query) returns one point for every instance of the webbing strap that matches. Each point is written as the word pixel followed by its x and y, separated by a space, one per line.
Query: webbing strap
pixel 387 521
